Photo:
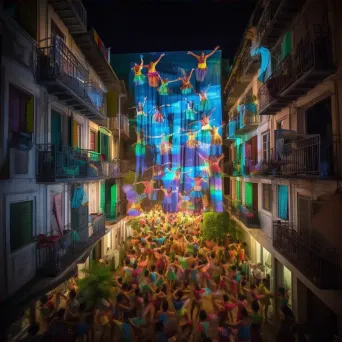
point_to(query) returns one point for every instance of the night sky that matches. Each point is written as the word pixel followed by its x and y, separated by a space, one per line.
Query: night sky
pixel 170 25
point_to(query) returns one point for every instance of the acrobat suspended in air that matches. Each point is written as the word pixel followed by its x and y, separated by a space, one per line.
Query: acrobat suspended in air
pixel 202 67
pixel 152 74
pixel 139 77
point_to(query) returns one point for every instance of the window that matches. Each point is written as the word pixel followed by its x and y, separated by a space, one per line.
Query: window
pixel 56 31
pixel 21 224
pixel 92 142
pixel 283 202
pixel 25 13
pixel 76 134
pixel 265 145
pixel 21 112
pixel 267 197
pixel 93 196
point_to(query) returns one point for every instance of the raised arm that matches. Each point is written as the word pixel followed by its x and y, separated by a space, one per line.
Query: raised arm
pixel 194 55
pixel 220 158
pixel 203 158
pixel 211 112
pixel 145 98
pixel 192 70
pixel 212 52
pixel 142 61
pixel 158 60
pixel 176 80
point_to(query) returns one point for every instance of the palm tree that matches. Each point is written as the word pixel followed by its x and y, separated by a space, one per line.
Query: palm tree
pixel 96 286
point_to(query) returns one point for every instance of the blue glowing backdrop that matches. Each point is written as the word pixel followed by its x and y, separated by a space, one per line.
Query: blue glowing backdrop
pixel 178 123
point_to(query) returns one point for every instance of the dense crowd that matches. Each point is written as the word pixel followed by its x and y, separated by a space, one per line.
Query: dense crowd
pixel 173 286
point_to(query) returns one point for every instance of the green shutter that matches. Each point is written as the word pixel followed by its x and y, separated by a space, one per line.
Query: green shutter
pixel 286 45
pixel 238 190
pixel 102 197
pixel 113 200
pixel 56 128
pixel 249 195
pixel 21 224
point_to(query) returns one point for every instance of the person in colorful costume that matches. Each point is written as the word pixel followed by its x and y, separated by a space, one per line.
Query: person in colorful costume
pixel 163 90
pixel 158 116
pixel 202 68
pixel 190 112
pixel 204 102
pixel 140 151
pixel 186 82
pixel 139 77
pixel 196 193
pixel 152 74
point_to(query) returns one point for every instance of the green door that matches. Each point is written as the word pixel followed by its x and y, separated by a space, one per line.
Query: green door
pixel 113 200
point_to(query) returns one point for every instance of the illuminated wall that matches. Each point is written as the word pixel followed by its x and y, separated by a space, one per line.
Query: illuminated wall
pixel 178 120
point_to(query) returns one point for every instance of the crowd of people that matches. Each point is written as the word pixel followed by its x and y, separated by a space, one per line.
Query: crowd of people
pixel 174 286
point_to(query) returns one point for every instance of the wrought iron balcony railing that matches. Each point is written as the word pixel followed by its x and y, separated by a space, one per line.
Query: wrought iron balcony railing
pixel 233 207
pixel 311 63
pixel 321 267
pixel 57 253
pixel 249 217
pixel 250 166
pixel 247 119
pixel 61 72
pixel 113 125
pixel 311 156
pixel 64 163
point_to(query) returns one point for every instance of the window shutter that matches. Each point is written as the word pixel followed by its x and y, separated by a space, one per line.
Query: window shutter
pixel 249 195
pixel 30 114
pixel 286 45
pixel 102 197
pixel 75 134
pixel 21 224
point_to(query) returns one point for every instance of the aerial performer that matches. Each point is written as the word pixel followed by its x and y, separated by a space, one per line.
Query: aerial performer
pixel 158 116
pixel 139 108
pixel 202 68
pixel 177 175
pixel 148 188
pixel 214 167
pixel 165 145
pixel 168 198
pixel 152 74
pixel 163 90
pixel 190 112
pixel 140 151
pixel 216 139
pixel 191 142
pixel 265 70
pixel 206 128
pixel 204 102
pixel 196 193
pixel 139 77
pixel 186 84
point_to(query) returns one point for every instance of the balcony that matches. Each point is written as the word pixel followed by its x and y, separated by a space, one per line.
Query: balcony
pixel 72 13
pixel 233 207
pixel 246 67
pixel 68 164
pixel 321 267
pixel 118 168
pixel 232 129
pixel 97 55
pixel 247 120
pixel 311 64
pixel 63 75
pixel 56 253
pixel 115 212
pixel 307 157
pixel 113 125
pixel 249 217
pixel 276 18
pixel 228 168
pixel 250 166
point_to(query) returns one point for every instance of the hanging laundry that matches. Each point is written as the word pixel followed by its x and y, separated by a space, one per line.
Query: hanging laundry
pixel 77 198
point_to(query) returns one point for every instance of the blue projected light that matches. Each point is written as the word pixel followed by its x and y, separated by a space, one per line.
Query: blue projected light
pixel 177 110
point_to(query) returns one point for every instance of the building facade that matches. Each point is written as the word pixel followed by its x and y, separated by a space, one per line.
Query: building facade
pixel 62 123
pixel 283 150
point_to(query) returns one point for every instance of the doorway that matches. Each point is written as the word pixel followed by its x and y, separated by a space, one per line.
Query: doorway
pixel 318 120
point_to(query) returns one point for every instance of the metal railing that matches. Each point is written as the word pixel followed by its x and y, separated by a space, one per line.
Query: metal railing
pixel 56 62
pixel 80 10
pixel 231 128
pixel 64 162
pixel 56 253
pixel 265 95
pixel 116 211
pixel 250 166
pixel 249 217
pixel 247 118
pixel 322 268
pixel 267 16
pixel 310 156
pixel 234 207
pixel 113 124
